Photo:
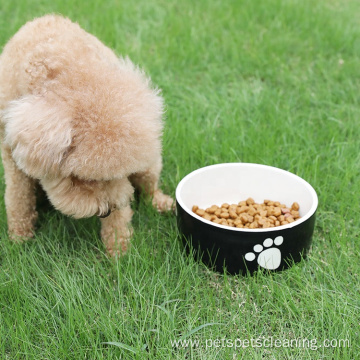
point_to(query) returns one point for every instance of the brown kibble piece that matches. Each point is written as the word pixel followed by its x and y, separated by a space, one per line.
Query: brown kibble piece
pixel 194 208
pixel 254 225
pixel 244 218
pixel 207 217
pixel 277 211
pixel 212 209
pixel 250 201
pixel 250 218
pixel 295 206
pixel 261 221
pixel 241 209
pixel 200 212
pixel 230 222
pixel 232 214
pixel 224 215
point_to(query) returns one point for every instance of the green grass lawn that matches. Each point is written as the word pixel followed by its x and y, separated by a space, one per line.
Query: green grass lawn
pixel 271 82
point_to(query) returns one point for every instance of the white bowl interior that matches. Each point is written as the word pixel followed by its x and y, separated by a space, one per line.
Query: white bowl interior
pixel 234 182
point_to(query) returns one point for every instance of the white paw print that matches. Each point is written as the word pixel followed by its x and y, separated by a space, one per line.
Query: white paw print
pixel 269 258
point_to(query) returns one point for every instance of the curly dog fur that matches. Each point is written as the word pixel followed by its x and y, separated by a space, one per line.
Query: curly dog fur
pixel 80 122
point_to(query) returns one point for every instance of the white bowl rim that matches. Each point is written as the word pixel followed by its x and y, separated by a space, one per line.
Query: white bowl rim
pixel 271 229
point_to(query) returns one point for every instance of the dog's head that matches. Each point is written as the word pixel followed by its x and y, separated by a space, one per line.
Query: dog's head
pixel 81 143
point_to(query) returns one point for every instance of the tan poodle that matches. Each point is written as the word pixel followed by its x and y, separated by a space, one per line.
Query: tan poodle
pixel 80 122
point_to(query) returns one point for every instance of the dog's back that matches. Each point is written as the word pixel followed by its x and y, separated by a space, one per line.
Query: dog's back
pixel 43 48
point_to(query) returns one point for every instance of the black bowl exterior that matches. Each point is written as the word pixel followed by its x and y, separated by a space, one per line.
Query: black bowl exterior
pixel 241 252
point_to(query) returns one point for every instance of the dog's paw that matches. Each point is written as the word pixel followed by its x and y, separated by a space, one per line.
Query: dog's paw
pixel 117 245
pixel 22 229
pixel 119 248
pixel 163 202
pixel 116 231
pixel 21 237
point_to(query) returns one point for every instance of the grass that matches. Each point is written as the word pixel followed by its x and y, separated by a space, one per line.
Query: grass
pixel 272 82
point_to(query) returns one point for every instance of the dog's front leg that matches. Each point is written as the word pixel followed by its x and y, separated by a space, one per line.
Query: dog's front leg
pixel 148 182
pixel 20 199
pixel 116 231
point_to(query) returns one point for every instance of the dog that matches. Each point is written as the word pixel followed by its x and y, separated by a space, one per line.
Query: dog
pixel 81 123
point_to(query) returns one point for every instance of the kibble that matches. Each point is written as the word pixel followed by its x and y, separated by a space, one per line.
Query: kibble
pixel 249 214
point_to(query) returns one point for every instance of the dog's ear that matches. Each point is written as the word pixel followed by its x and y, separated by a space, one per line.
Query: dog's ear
pixel 39 134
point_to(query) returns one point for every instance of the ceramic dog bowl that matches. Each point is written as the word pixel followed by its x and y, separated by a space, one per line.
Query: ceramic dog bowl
pixel 240 249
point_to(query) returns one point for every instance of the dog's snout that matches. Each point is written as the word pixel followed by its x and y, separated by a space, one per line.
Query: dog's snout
pixel 104 215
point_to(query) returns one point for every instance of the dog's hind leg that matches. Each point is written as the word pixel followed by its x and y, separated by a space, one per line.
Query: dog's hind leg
pixel 20 199
pixel 116 231
pixel 148 182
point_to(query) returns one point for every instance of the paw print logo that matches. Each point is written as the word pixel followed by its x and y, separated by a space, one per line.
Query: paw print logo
pixel 268 256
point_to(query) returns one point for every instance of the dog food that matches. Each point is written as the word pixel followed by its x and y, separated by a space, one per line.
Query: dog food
pixel 248 214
